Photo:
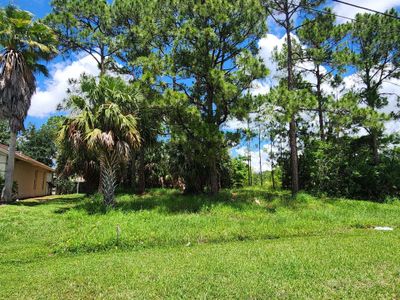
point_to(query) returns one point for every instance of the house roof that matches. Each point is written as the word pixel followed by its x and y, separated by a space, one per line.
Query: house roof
pixel 20 156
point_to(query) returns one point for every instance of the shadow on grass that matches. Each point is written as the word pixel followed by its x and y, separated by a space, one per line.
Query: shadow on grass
pixel 60 199
pixel 169 201
pixel 174 202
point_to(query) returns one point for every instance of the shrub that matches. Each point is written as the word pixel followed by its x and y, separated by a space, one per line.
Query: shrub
pixel 14 189
pixel 64 186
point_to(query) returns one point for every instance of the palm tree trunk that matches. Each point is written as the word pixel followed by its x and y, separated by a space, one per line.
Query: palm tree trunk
pixel 7 193
pixel 259 155
pixel 108 178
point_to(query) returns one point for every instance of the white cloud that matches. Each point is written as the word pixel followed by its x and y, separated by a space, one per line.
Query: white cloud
pixel 255 156
pixel 234 124
pixel 260 87
pixel 350 12
pixel 255 159
pixel 45 101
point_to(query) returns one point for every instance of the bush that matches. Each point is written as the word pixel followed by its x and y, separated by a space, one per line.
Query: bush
pixel 64 186
pixel 345 168
pixel 14 188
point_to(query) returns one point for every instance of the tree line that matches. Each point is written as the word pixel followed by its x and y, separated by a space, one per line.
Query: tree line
pixel 172 73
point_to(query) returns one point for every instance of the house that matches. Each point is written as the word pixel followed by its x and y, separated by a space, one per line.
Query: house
pixel 33 178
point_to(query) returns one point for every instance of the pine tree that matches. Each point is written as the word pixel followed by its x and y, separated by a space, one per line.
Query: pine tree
pixel 283 12
pixel 375 56
pixel 213 62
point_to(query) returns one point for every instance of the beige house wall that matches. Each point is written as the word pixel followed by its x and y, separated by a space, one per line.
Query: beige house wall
pixel 3 161
pixel 32 180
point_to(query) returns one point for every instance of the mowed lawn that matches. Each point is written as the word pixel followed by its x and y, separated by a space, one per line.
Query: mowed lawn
pixel 245 244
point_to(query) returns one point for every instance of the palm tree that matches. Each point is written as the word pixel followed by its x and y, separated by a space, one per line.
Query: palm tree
pixel 100 125
pixel 24 42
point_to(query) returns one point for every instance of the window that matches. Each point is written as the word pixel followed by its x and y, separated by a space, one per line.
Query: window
pixel 43 180
pixel 35 179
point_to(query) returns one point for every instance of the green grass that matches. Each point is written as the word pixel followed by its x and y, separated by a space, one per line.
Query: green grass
pixel 249 243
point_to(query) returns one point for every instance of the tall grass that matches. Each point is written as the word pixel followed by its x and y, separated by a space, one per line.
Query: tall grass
pixel 168 218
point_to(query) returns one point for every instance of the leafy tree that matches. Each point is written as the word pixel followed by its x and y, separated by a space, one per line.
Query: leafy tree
pixel 238 172
pixel 283 12
pixel 85 26
pixel 138 27
pixel 142 28
pixel 24 43
pixel 376 58
pixel 102 127
pixel 212 63
pixel 288 105
pixel 321 40
pixel 249 134
pixel 344 168
pixel 40 144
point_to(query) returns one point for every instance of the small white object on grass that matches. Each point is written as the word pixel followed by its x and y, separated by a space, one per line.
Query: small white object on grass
pixel 257 202
pixel 384 228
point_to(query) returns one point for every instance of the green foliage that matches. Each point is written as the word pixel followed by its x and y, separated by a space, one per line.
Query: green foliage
pixel 345 168
pixel 191 65
pixel 212 62
pixel 24 44
pixel 41 144
pixel 14 187
pixel 221 240
pixel 102 127
pixel 375 56
pixel 85 25
pixel 4 133
pixel 289 103
pixel 239 172
pixel 21 32
pixel 323 50
pixel 64 186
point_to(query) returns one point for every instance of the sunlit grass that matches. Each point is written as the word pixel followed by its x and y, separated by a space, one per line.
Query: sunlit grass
pixel 236 244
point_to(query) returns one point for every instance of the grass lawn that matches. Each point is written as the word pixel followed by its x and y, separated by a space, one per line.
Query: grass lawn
pixel 249 244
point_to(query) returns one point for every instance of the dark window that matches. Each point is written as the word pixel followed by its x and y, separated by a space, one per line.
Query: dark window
pixel 44 177
pixel 35 179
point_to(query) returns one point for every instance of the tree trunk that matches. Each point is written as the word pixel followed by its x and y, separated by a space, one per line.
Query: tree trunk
pixel 133 170
pixel 273 177
pixel 272 164
pixel 108 178
pixel 292 125
pixel 374 146
pixel 293 156
pixel 141 187
pixel 214 182
pixel 259 154
pixel 250 171
pixel 7 193
pixel 320 107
